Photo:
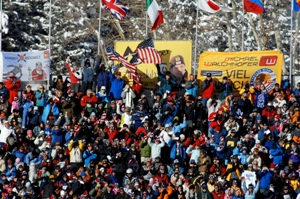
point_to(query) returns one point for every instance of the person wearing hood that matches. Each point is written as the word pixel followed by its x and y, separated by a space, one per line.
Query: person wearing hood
pixel 177 127
pixel 87 76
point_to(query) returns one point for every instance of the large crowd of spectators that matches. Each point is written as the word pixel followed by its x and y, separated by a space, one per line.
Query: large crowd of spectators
pixel 187 141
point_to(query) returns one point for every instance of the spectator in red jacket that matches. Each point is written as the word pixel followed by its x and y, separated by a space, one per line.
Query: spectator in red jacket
pixel 89 97
pixel 75 75
pixel 208 88
pixel 13 85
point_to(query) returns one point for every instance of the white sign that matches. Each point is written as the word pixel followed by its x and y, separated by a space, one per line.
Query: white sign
pixel 250 177
pixel 26 66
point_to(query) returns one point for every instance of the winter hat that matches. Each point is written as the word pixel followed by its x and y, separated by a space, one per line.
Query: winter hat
pixel 62 193
pixel 18 160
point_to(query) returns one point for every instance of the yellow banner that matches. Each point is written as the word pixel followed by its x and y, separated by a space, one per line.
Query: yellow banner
pixel 168 50
pixel 253 67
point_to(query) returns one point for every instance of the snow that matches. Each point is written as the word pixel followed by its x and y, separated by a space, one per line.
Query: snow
pixel 4 21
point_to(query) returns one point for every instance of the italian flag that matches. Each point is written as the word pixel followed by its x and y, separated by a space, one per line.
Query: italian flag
pixel 155 14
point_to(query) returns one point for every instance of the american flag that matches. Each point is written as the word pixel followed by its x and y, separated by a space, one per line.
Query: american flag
pixel 116 8
pixel 114 56
pixel 147 53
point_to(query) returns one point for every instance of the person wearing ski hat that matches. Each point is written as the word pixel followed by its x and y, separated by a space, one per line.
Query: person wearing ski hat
pixel 102 95
pixel 166 84
pixel 251 190
pixel 204 193
pixel 224 88
pixel 208 88
pixel 177 126
pixel 117 85
pixel 156 147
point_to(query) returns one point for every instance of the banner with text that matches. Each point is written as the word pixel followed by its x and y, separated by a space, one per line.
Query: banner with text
pixel 253 67
pixel 176 58
pixel 26 66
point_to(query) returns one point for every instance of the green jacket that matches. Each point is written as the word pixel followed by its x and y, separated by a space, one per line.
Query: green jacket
pixel 204 195
pixel 145 149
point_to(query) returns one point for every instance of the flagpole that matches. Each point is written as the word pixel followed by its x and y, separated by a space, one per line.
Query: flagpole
pixel 99 36
pixel 291 45
pixel 243 19
pixel 196 41
pixel 1 25
pixel 50 17
pixel 146 25
pixel 49 37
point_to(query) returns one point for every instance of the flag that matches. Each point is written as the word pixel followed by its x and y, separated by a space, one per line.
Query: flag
pixel 135 59
pixel 296 6
pixel 147 53
pixel 155 14
pixel 254 6
pixel 116 8
pixel 114 56
pixel 211 6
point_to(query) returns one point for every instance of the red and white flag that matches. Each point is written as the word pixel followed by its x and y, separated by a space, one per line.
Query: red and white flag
pixel 147 53
pixel 211 6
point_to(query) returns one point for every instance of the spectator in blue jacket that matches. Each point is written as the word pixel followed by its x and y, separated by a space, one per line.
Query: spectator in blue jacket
pixel 33 158
pixel 27 107
pixel 102 76
pixel 261 99
pixel 277 152
pixel 88 76
pixel 265 179
pixel 3 91
pixel 166 84
pixel 296 91
pixel 41 96
pixel 178 151
pixel 56 135
pixel 139 115
pixel 89 155
pixel 250 192
pixel 177 127
pixel 10 170
pixel 50 109
pixel 117 85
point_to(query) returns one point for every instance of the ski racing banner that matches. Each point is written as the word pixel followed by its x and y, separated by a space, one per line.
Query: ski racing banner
pixel 176 58
pixel 255 67
pixel 31 67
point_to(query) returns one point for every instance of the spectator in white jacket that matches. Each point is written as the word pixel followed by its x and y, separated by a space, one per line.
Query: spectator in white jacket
pixel 5 132
pixel 194 151
pixel 156 147
pixel 126 117
pixel 279 101
pixel 128 95
pixel 231 124
pixel 41 141
pixel 213 105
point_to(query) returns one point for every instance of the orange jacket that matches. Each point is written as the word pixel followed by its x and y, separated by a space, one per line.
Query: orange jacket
pixel 165 194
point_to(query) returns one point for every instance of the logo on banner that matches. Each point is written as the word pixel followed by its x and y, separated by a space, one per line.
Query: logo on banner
pixel 264 76
pixel 21 57
pixel 268 61
pixel 46 54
